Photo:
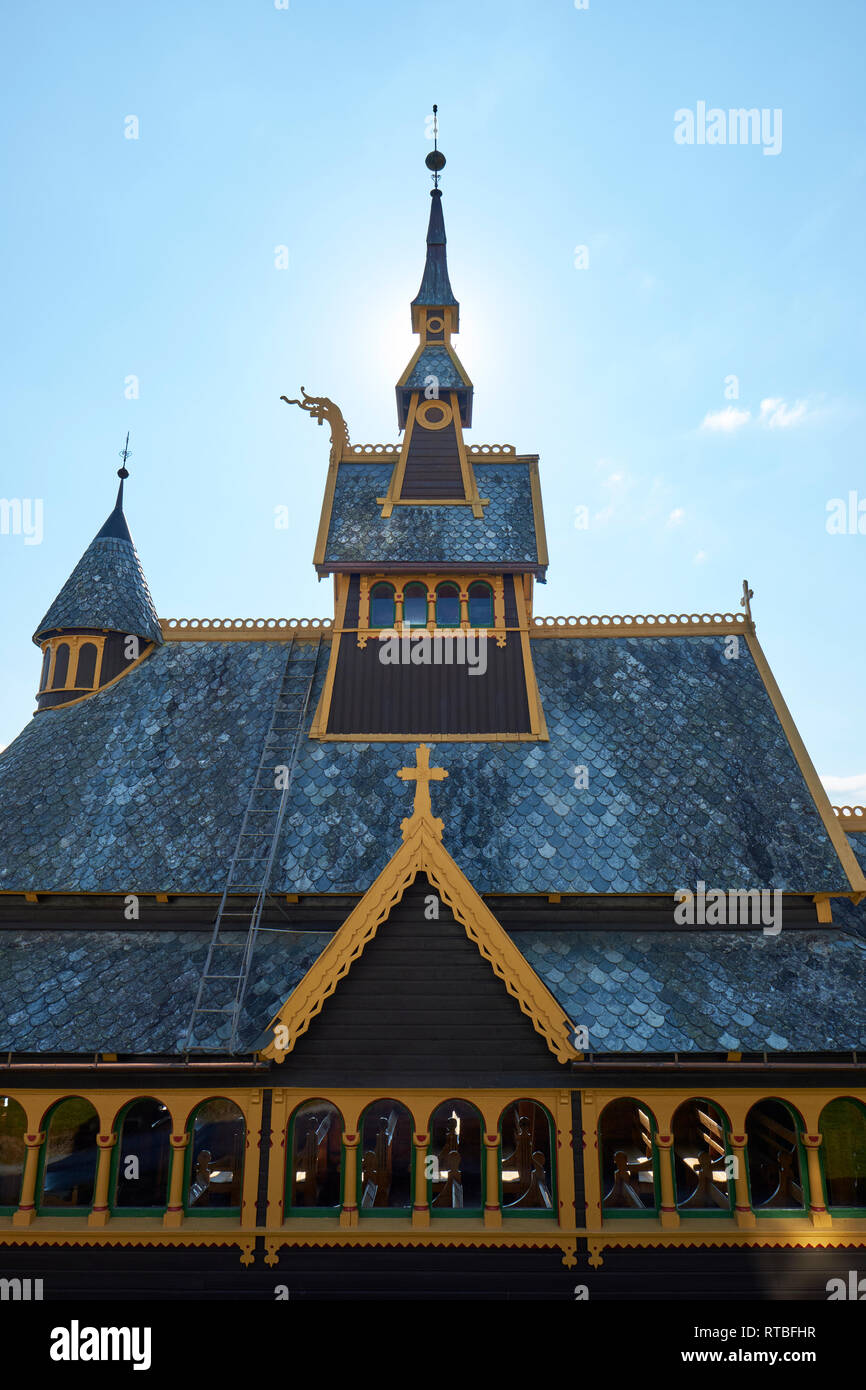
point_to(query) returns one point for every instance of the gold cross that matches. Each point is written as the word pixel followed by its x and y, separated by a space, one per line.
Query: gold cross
pixel 422 774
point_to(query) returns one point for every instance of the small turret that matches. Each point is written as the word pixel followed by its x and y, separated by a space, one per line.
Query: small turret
pixel 103 620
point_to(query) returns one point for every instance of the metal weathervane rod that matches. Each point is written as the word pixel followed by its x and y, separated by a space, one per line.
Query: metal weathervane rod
pixel 435 159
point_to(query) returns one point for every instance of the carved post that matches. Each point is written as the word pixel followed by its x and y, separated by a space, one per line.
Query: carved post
pixel 742 1206
pixel 398 609
pixel 669 1214
pixel 820 1214
pixel 464 608
pixel 420 1211
pixel 98 1215
pixel 349 1214
pixel 174 1211
pixel 27 1206
pixel 492 1210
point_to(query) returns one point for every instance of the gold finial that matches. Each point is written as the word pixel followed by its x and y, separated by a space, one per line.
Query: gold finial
pixel 422 774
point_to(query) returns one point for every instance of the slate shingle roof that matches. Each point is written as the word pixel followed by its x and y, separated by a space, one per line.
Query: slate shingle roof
pixel 444 535
pixel 142 786
pixel 55 999
pixel 702 991
pixel 637 992
pixel 107 589
pixel 437 362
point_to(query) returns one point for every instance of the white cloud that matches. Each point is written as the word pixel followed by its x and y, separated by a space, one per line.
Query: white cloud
pixel 726 420
pixel 676 517
pixel 856 784
pixel 700 557
pixel 777 415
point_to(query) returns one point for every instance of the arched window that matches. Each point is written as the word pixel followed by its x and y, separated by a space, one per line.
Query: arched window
pixel 69 1156
pixel 85 675
pixel 315 1151
pixel 447 606
pixel 382 613
pixel 775 1159
pixel 142 1157
pixel 480 605
pixel 215 1166
pixel 415 605
pixel 526 1169
pixel 387 1158
pixel 46 662
pixel 455 1165
pixel 13 1123
pixel 843 1154
pixel 702 1173
pixel 61 667
pixel 629 1159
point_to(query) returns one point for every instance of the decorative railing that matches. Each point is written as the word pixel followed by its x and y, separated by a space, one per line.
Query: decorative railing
pixel 368 450
pixel 650 622
pixel 854 816
pixel 477 449
pixel 249 629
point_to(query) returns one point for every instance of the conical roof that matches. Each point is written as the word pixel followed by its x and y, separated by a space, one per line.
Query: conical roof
pixel 107 588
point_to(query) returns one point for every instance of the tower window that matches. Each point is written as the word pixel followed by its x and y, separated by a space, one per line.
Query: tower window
pixel 415 605
pixel 46 662
pixel 382 606
pixel 86 673
pixel 61 666
pixel 448 606
pixel 480 605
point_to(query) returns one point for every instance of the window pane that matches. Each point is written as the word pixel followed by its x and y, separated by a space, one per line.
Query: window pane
pixel 217 1156
pixel 143 1156
pixel 700 1153
pixel 448 605
pixel 316 1155
pixel 12 1151
pixel 46 662
pixel 480 606
pixel 455 1148
pixel 69 1170
pixel 386 1156
pixel 381 606
pixel 61 666
pixel 415 605
pixel 627 1156
pixel 773 1156
pixel 526 1169
pixel 843 1130
pixel 86 672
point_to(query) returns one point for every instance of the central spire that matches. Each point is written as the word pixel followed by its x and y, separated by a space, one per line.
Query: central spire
pixel 435 291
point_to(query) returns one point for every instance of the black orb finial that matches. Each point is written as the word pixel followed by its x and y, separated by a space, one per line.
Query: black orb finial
pixel 125 453
pixel 435 160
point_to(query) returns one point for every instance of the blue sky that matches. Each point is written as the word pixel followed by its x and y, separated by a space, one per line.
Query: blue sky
pixel 304 127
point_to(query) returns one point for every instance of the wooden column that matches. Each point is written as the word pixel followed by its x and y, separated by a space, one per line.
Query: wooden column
pixel 349 1214
pixel 742 1205
pixel 492 1209
pixel 464 608
pixel 174 1211
pixel 27 1206
pixel 820 1214
pixel 98 1215
pixel 421 1209
pixel 668 1211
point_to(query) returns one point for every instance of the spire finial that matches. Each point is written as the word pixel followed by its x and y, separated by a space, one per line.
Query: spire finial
pixel 435 159
pixel 125 453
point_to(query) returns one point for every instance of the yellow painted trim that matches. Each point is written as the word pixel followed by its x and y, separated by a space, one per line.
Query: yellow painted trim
pixel 225 629
pixel 652 625
pixel 470 486
pixel 537 721
pixel 422 851
pixel 851 818
pixel 323 709
pixel 538 513
pixel 836 834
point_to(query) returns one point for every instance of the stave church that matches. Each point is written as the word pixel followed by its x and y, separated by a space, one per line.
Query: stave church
pixel 433 949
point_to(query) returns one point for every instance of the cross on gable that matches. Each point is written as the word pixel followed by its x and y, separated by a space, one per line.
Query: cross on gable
pixel 422 774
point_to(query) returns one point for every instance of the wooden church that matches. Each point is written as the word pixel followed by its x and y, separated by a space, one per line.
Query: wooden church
pixel 435 949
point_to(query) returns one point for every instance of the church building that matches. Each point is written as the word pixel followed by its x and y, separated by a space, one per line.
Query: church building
pixel 432 949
